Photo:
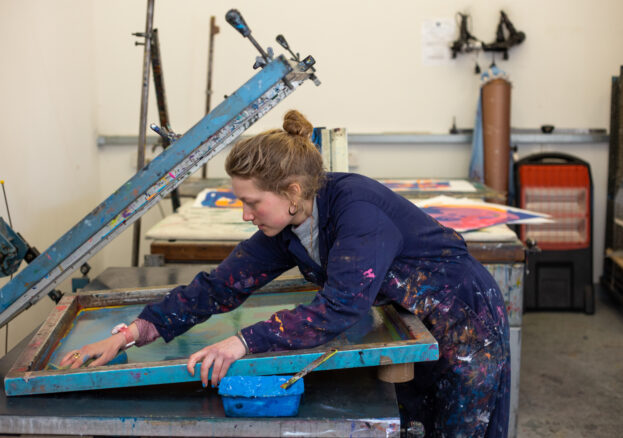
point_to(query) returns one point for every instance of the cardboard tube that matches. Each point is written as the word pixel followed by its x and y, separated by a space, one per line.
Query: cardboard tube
pixel 399 373
pixel 496 122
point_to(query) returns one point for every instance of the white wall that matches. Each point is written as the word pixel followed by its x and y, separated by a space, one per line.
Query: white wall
pixel 48 156
pixel 369 59
pixel 71 71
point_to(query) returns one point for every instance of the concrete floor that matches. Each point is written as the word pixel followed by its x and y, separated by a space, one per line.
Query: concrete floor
pixel 571 382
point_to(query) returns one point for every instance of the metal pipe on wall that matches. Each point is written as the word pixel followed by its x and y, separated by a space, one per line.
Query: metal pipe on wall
pixel 142 128
pixel 161 100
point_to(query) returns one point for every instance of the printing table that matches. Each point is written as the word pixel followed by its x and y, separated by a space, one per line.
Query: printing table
pixel 350 402
pixel 336 403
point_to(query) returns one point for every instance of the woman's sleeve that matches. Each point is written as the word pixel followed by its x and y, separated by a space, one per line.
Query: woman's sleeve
pixel 367 243
pixel 252 264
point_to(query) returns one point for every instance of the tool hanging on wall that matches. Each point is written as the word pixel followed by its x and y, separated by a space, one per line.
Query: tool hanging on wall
pixel 142 125
pixel 163 112
pixel 214 29
pixel 276 80
pixel 503 43
pixel 467 42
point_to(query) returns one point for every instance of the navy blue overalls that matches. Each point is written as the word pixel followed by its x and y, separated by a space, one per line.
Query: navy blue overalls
pixel 375 247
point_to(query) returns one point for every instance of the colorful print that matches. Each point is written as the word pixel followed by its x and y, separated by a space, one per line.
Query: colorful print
pixel 465 218
pixel 218 198
pixel 466 215
pixel 428 185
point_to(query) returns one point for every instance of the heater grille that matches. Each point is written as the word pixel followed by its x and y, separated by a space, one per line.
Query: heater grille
pixel 560 274
pixel 564 192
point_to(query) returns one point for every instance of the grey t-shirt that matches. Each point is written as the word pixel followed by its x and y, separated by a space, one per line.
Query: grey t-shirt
pixel 307 232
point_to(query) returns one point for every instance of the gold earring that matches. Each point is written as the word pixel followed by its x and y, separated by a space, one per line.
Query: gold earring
pixel 296 208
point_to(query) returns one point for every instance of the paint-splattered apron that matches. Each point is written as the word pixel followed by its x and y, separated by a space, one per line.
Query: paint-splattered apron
pixel 467 392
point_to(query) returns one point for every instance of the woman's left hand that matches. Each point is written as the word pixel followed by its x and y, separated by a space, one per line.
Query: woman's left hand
pixel 219 356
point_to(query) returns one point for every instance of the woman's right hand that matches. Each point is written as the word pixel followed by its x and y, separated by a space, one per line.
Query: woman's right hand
pixel 103 351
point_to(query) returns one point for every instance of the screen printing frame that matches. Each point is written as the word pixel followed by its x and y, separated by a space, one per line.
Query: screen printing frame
pixel 28 375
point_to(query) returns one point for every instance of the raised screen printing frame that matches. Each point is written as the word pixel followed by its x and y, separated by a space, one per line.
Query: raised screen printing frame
pixel 28 376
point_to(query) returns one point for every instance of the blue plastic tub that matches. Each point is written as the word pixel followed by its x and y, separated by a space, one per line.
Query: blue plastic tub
pixel 260 396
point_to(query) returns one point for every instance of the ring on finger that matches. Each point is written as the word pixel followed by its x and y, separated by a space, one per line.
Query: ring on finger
pixel 76 355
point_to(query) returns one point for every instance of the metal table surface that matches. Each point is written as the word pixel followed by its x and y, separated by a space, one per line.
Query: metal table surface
pixel 335 403
pixel 146 276
pixel 351 402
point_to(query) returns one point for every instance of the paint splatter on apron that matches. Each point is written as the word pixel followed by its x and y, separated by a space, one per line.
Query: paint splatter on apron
pixel 467 392
pixel 375 247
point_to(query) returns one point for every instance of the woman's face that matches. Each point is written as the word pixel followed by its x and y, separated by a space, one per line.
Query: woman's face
pixel 267 210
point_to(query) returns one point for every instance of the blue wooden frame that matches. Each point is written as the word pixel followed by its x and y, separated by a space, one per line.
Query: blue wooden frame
pixel 210 135
pixel 28 376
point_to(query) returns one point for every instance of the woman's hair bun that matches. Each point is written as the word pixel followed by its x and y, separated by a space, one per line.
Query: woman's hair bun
pixel 295 123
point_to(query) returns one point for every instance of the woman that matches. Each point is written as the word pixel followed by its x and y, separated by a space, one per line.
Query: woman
pixel 364 245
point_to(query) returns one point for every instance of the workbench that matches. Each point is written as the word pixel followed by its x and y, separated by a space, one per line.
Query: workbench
pixel 215 251
pixel 350 402
pixel 333 405
pixel 207 235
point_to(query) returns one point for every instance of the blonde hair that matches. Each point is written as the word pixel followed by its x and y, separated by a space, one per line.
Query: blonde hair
pixel 276 158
